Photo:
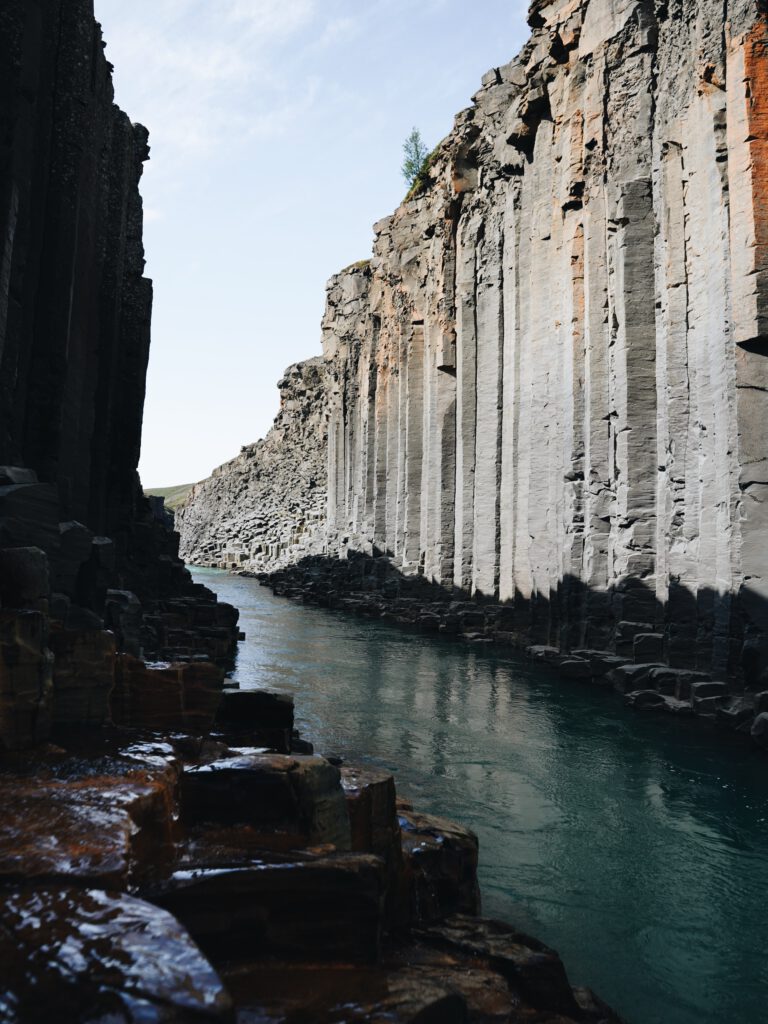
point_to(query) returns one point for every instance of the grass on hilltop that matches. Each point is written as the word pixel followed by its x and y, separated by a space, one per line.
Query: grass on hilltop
pixel 174 496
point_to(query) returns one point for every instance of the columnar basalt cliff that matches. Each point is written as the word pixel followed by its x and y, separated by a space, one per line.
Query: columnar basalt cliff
pixel 549 387
pixel 88 576
pixel 550 384
pixel 267 507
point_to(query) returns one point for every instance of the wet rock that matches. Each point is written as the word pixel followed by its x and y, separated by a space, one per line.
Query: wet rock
pixel 736 714
pixel 83 676
pixel 375 828
pixel 626 678
pixel 293 801
pixel 101 824
pixel 183 697
pixel 82 954
pixel 541 652
pixel 440 866
pixel 531 968
pixel 328 909
pixel 675 682
pixel 600 662
pixel 324 994
pixel 644 700
pixel 26 679
pixel 258 718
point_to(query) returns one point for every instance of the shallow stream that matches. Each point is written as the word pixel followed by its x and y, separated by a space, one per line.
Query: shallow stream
pixel 636 846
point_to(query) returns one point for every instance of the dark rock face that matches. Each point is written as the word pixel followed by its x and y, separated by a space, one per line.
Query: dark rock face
pixel 75 307
pixel 53 943
pixel 80 548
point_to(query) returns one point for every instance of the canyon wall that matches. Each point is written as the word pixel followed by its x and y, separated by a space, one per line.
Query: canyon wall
pixel 549 386
pixel 266 507
pixel 86 571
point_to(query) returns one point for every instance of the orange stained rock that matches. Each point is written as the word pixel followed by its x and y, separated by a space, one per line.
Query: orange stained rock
pixel 756 76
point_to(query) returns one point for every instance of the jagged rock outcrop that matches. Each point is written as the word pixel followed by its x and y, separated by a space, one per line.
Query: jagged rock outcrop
pixel 266 508
pixel 549 387
pixel 86 569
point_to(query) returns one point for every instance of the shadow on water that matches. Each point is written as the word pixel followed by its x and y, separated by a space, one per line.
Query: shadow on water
pixel 638 847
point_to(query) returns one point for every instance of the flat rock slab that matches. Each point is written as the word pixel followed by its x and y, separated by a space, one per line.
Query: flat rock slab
pixel 329 909
pixel 105 822
pixel 294 801
pixel 440 866
pixel 83 954
pixel 323 994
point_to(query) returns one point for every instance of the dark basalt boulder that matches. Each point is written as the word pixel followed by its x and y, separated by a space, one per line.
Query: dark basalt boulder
pixel 73 954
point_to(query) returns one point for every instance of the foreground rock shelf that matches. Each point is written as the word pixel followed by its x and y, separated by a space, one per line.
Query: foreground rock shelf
pixel 182 876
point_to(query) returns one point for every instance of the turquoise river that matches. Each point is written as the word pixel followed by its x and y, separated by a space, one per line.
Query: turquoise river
pixel 636 846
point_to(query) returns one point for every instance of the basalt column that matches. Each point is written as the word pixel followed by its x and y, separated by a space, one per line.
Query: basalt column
pixel 556 360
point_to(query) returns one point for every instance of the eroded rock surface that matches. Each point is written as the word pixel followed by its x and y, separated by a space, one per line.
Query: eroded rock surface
pixel 267 506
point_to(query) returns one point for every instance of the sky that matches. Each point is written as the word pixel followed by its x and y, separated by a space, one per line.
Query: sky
pixel 276 133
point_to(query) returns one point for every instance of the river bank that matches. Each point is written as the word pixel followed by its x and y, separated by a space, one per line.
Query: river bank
pixel 634 845
pixel 374 588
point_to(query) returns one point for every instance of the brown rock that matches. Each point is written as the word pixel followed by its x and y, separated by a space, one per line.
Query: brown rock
pixel 292 801
pixel 440 866
pixel 328 909
pixel 74 955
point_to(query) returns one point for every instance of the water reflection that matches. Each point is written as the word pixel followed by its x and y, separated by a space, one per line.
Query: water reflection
pixel 637 847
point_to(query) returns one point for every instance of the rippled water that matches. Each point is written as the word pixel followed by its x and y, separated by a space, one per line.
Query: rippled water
pixel 637 847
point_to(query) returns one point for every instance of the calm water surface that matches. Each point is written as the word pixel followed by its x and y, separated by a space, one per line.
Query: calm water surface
pixel 637 847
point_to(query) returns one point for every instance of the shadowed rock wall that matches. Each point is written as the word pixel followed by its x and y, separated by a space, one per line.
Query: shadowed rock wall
pixel 75 307
pixel 86 571
pixel 550 383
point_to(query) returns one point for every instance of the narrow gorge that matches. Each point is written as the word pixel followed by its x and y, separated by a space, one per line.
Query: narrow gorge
pixel 546 391
pixel 172 849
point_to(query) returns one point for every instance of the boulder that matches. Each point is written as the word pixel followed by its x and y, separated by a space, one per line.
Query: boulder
pixel 328 993
pixel 101 823
pixel 328 909
pixel 257 718
pixel 440 866
pixel 73 954
pixel 529 967
pixel 292 801
pixel 183 697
